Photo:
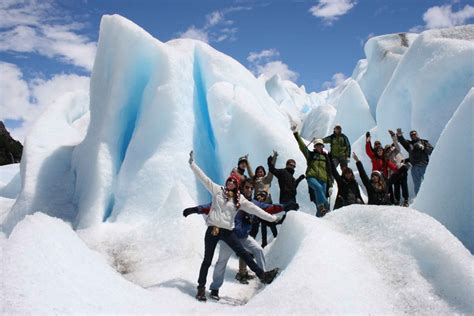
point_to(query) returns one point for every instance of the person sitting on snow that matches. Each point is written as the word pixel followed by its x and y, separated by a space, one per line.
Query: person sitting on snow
pixel 340 147
pixel 419 151
pixel 318 172
pixel 226 201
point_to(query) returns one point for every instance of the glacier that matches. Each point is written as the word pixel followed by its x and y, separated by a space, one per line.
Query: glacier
pixel 92 223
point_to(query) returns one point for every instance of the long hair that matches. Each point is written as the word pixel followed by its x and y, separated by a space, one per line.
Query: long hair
pixel 258 168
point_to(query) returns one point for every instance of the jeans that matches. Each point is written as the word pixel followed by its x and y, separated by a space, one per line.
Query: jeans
pixel 272 227
pixel 401 182
pixel 417 173
pixel 224 254
pixel 210 243
pixel 319 190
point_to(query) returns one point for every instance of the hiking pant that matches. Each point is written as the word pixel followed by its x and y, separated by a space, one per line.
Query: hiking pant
pixel 272 227
pixel 210 243
pixel 225 252
pixel 402 183
pixel 319 190
pixel 417 173
pixel 339 161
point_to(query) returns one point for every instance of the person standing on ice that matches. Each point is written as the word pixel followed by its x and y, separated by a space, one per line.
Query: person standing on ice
pixel 225 203
pixel 377 186
pixel 348 192
pixel 394 154
pixel 340 147
pixel 318 172
pixel 378 158
pixel 286 180
pixel 419 151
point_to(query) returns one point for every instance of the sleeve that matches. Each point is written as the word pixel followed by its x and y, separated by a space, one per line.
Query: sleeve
pixel 205 180
pixel 327 139
pixel 269 177
pixel 273 170
pixel 428 147
pixel 395 143
pixel 249 170
pixel 348 146
pixel 300 178
pixel 363 175
pixel 250 208
pixel 204 208
pixel 334 171
pixel 302 145
pixel 404 143
pixel 392 166
pixel 368 150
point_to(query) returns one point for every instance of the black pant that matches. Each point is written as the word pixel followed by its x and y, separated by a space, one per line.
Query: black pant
pixel 401 182
pixel 210 243
pixel 272 227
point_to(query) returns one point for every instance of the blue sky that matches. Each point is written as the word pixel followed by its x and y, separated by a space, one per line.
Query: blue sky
pixel 47 47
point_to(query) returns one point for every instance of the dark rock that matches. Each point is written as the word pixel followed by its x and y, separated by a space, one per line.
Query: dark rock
pixel 10 149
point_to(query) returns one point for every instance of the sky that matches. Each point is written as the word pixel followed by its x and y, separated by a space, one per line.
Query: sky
pixel 47 48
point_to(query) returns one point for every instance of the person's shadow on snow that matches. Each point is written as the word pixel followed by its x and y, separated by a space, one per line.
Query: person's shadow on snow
pixel 181 284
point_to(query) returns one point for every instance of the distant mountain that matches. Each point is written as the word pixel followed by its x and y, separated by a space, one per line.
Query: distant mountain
pixel 10 149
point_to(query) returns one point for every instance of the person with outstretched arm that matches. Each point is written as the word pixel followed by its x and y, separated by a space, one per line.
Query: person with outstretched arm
pixel 226 200
pixel 377 186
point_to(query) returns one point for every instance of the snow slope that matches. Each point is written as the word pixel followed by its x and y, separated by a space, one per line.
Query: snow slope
pixel 360 259
pixel 454 208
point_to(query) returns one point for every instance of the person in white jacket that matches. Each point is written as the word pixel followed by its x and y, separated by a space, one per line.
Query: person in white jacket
pixel 226 201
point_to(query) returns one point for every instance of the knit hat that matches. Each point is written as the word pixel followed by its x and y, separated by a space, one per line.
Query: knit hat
pixel 377 173
pixel 235 177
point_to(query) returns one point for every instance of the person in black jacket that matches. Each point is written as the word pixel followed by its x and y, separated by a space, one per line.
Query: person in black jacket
pixel 419 151
pixel 286 180
pixel 377 186
pixel 347 186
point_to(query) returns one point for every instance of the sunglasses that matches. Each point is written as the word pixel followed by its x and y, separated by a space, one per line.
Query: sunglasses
pixel 291 165
pixel 232 181
pixel 413 134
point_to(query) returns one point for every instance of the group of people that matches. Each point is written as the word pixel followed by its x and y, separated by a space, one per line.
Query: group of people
pixel 244 203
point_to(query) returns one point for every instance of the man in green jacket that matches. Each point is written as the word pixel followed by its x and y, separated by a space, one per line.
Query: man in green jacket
pixel 340 147
pixel 318 172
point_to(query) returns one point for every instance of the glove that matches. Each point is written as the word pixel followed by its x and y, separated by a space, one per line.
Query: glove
pixel 191 157
pixel 275 153
pixel 367 135
pixel 391 132
pixel 269 160
pixel 189 211
pixel 291 206
pixel 420 146
pixel 399 132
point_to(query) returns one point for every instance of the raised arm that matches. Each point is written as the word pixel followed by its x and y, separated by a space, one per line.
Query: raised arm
pixel 250 208
pixel 301 145
pixel 249 169
pixel 362 173
pixel 402 140
pixel 368 148
pixel 334 171
pixel 272 169
pixel 206 181
pixel 269 176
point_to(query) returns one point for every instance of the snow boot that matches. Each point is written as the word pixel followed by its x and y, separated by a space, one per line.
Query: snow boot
pixel 322 210
pixel 405 203
pixel 201 294
pixel 241 278
pixel 269 276
pixel 214 295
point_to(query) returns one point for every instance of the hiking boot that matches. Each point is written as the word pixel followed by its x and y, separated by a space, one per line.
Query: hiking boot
pixel 322 210
pixel 269 276
pixel 214 295
pixel 241 278
pixel 405 203
pixel 201 294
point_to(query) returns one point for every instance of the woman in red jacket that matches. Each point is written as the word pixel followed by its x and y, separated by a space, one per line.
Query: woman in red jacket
pixel 378 158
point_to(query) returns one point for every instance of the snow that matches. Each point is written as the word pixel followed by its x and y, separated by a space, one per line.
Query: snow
pixel 92 223
pixel 429 83
pixel 455 209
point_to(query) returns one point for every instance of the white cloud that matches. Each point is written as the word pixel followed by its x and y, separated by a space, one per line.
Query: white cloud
pixel 444 16
pixel 337 79
pixel 195 33
pixel 24 101
pixel 216 27
pixel 264 54
pixel 331 10
pixel 261 63
pixel 277 68
pixel 28 27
